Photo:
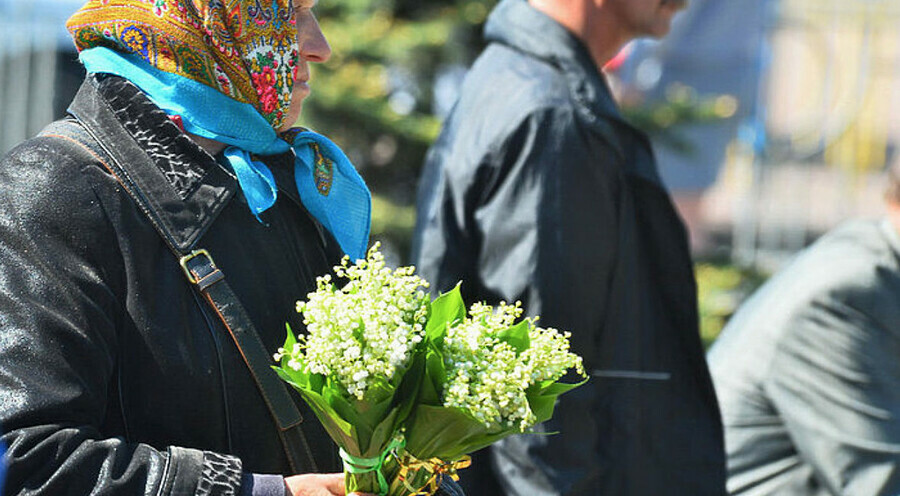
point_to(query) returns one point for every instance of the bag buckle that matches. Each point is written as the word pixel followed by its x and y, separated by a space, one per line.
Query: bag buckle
pixel 185 260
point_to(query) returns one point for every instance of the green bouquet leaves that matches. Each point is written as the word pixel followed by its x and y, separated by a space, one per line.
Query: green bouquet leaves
pixel 406 387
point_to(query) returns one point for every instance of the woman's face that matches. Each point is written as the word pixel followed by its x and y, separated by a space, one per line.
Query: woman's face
pixel 312 47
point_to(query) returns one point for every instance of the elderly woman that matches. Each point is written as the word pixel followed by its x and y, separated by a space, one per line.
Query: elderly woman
pixel 152 248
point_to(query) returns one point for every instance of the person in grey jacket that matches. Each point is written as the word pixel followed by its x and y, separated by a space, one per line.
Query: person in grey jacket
pixel 808 371
pixel 538 190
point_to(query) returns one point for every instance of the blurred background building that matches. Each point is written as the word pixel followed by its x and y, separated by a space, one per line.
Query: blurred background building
pixel 773 120
pixel 816 86
pixel 39 72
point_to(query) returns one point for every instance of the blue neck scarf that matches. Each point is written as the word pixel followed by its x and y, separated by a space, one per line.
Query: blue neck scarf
pixel 329 186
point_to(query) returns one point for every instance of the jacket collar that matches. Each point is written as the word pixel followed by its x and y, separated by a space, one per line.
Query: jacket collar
pixel 184 188
pixel 519 25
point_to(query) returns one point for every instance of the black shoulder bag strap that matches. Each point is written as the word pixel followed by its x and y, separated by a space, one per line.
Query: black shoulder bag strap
pixel 209 281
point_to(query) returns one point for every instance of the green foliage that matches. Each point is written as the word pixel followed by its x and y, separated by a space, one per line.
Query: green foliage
pixel 393 222
pixel 374 96
pixel 446 310
pixel 721 288
pixel 682 106
pixel 437 428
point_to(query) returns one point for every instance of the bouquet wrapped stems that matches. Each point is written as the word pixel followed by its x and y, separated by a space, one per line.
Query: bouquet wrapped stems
pixel 397 473
pixel 373 475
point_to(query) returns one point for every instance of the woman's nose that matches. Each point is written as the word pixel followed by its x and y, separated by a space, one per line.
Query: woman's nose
pixel 313 45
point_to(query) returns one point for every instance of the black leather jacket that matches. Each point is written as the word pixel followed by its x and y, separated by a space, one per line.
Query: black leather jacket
pixel 112 378
pixel 538 190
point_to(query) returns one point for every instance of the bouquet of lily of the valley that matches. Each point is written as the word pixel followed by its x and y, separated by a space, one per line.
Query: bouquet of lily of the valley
pixel 405 386
pixel 361 361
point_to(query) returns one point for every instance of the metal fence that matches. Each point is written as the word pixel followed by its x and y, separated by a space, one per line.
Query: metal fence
pixel 826 126
pixel 32 45
pixel 27 72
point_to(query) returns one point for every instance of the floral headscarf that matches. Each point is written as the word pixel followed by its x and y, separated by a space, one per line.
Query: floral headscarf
pixel 246 49
pixel 227 68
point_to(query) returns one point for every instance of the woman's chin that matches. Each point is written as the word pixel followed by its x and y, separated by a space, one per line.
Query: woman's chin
pixel 291 117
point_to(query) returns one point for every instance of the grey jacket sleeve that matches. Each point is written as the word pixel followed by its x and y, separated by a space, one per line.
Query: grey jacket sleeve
pixel 60 316
pixel 835 379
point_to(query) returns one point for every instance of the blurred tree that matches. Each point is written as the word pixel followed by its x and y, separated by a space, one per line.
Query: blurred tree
pixel 721 288
pixel 375 97
pixel 664 120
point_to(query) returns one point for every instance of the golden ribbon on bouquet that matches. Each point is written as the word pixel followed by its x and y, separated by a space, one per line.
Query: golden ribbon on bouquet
pixel 436 467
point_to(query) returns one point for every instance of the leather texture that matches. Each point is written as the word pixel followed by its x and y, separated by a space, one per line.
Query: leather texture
pixel 201 271
pixel 112 377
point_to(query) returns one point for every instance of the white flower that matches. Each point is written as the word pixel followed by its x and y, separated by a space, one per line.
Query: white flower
pixel 488 377
pixel 365 330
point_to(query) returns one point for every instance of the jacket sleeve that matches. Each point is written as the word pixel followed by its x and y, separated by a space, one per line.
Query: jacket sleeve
pixel 835 380
pixel 61 290
pixel 547 218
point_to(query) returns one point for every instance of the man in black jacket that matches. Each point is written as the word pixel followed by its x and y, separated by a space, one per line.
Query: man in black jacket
pixel 537 190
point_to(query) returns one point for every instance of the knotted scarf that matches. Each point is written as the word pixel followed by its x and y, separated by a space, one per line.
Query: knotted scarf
pixel 227 68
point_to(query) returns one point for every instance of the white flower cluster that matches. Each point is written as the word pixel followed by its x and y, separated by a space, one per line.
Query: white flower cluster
pixel 488 377
pixel 364 331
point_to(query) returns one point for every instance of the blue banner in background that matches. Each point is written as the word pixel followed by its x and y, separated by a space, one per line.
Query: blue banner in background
pixel 716 47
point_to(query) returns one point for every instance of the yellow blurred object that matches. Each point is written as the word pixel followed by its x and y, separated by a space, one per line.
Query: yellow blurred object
pixel 434 468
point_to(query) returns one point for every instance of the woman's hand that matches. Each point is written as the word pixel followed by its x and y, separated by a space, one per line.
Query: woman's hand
pixel 318 485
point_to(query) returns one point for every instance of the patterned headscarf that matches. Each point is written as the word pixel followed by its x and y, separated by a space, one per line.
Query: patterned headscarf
pixel 245 49
pixel 227 68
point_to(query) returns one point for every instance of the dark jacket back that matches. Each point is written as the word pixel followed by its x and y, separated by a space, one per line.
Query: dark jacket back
pixel 537 190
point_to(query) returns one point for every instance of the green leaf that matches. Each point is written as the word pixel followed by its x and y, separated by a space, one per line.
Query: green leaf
pixel 409 390
pixel 435 377
pixel 297 379
pixel 373 413
pixel 340 431
pixel 446 309
pixel 558 388
pixel 290 340
pixel 317 382
pixel 542 406
pixel 543 401
pixel 517 336
pixel 379 391
pixel 448 433
pixel 383 433
pixel 334 398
